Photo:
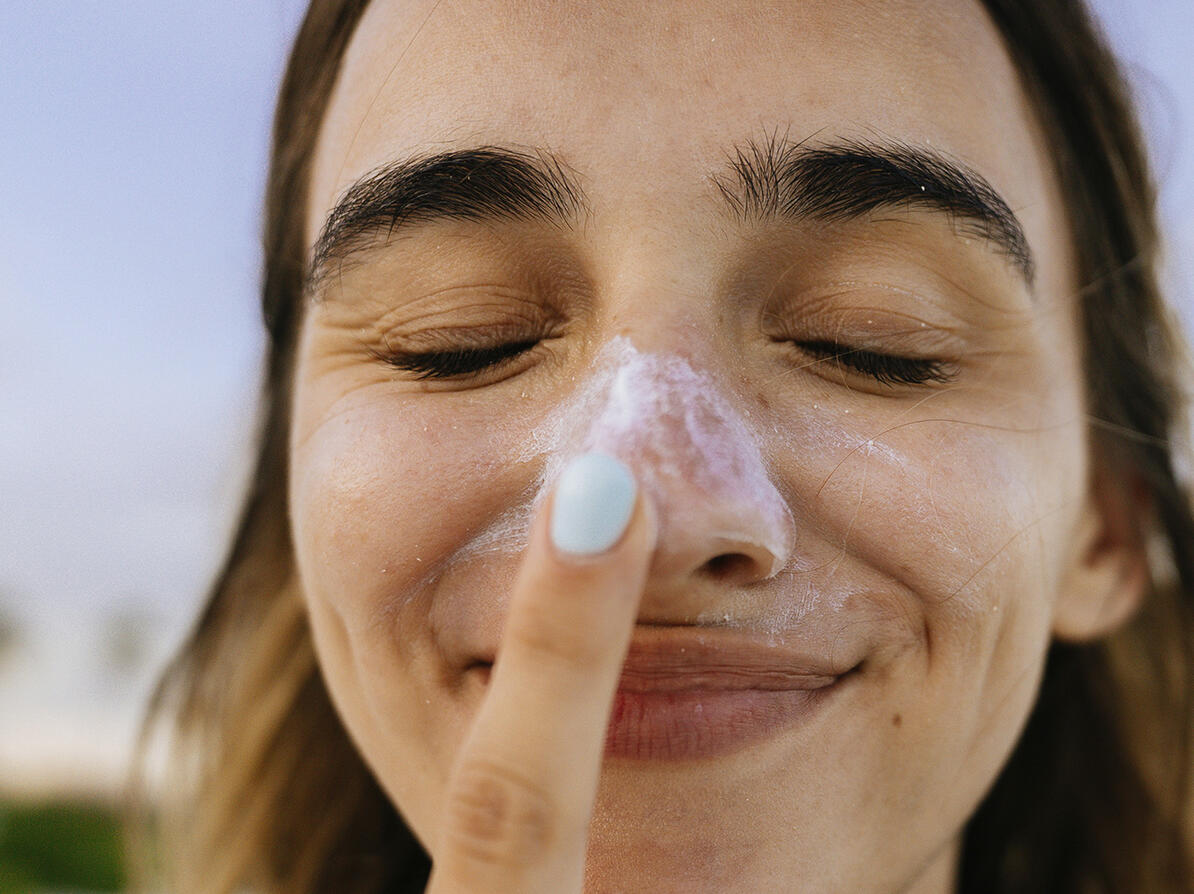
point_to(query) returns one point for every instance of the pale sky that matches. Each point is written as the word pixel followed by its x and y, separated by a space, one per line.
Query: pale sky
pixel 132 160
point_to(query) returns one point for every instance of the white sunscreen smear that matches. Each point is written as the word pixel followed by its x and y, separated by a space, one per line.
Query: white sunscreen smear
pixel 689 446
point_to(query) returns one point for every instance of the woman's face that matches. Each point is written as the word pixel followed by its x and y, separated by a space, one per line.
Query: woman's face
pixel 770 256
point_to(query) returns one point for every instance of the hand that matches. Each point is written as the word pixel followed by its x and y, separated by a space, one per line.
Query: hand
pixel 521 794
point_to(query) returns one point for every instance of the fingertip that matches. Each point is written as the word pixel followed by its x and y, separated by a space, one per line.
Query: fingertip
pixel 593 505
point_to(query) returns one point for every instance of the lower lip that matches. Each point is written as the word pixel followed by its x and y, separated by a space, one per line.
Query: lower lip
pixel 688 724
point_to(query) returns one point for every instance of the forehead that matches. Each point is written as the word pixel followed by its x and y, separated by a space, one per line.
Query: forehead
pixel 644 100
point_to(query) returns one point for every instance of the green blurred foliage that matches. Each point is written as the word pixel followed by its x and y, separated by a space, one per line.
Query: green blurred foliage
pixel 59 846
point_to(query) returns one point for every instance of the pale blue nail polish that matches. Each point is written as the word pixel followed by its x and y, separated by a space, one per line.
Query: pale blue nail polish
pixel 593 502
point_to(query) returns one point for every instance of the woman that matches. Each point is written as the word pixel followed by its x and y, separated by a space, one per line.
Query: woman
pixel 707 449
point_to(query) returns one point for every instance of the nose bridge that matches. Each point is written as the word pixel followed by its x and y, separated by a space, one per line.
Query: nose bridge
pixel 691 449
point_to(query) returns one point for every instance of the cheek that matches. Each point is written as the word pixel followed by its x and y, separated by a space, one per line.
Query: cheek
pixel 966 502
pixel 965 496
pixel 963 526
pixel 943 507
pixel 382 492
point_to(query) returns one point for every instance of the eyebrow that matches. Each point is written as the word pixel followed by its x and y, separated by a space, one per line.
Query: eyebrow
pixel 480 184
pixel 852 179
pixel 775 179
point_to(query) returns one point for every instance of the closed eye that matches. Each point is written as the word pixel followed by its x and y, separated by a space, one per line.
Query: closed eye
pixel 887 369
pixel 457 362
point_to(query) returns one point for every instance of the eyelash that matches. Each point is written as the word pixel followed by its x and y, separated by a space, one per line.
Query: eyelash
pixel 466 362
pixel 458 363
pixel 886 369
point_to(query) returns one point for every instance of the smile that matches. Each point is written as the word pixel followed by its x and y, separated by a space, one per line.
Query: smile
pixel 689 692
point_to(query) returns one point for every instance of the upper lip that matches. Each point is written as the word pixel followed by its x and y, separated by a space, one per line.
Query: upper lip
pixel 675 658
pixel 711 658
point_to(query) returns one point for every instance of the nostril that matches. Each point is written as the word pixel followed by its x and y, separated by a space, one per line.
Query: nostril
pixel 731 565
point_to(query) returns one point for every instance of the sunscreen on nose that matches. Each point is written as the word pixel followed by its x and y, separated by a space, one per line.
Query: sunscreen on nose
pixel 687 443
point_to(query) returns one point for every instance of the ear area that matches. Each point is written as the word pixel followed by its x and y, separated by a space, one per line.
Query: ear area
pixel 1109 572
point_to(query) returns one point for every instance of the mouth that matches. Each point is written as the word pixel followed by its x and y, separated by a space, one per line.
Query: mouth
pixel 690 692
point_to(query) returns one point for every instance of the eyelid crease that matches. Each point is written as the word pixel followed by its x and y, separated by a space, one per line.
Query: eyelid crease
pixel 839 297
pixel 455 299
pixel 443 339
pixel 943 294
pixel 875 328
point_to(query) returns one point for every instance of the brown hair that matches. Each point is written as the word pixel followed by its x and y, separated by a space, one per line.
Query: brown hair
pixel 1094 797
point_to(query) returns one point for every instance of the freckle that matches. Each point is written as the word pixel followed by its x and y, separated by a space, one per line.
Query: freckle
pixel 896 720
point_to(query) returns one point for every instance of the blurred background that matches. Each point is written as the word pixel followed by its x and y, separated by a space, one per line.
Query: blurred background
pixel 133 146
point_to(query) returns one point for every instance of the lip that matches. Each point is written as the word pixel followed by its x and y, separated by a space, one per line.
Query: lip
pixel 698 692
pixel 684 657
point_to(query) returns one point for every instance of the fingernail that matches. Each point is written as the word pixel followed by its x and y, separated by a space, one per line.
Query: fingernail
pixel 593 502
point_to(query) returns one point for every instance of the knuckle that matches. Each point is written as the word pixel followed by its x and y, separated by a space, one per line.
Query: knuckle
pixel 498 816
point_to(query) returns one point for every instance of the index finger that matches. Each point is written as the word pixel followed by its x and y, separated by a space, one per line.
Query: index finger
pixel 522 791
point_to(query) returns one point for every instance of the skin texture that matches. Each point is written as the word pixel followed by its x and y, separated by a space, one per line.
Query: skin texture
pixel 944 532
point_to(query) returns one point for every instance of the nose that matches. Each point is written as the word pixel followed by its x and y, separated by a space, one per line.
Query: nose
pixel 721 518
pixel 712 538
